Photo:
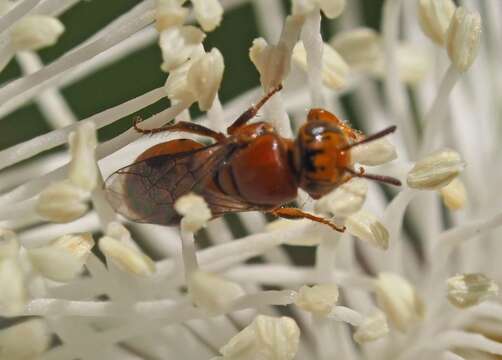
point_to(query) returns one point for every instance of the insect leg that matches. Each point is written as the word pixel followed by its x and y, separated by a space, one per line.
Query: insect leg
pixel 251 112
pixel 294 213
pixel 183 126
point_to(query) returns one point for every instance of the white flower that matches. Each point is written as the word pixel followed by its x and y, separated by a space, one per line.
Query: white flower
pixel 434 17
pixel 83 169
pixel 334 68
pixel 272 62
pixel 266 338
pixel 366 226
pixel 399 300
pixel 208 13
pixel 211 292
pixel 25 341
pixel 463 37
pixel 178 44
pixel 61 202
pixel 9 246
pixel 318 299
pixel 194 210
pixel 34 32
pixel 64 259
pixel 435 170
pixel 467 290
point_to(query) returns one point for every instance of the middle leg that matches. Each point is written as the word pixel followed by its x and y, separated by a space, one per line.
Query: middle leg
pixel 294 213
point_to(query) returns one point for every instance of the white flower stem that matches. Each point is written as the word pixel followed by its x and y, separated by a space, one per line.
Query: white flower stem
pixel 188 252
pixel 436 115
pixel 394 90
pixel 313 43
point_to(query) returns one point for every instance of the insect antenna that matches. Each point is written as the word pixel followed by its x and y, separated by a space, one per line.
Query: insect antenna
pixel 380 178
pixel 372 137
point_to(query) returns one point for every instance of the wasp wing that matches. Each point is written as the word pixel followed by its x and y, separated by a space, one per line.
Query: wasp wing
pixel 146 191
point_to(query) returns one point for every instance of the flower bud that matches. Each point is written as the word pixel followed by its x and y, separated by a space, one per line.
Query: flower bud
pixel 318 299
pixel 345 199
pixel 83 170
pixel 126 258
pixel 366 226
pixel 434 17
pixel 373 328
pixel 463 38
pixel 454 194
pixel 211 292
pixel 435 170
pixel 194 210
pixel 361 47
pixel 334 68
pixel 170 13
pixel 204 78
pixel 12 283
pixel 266 338
pixel 63 260
pixel 34 32
pixel 208 13
pixel 178 44
pixel 61 202
pixel 376 152
pixel 24 341
pixel 399 300
pixel 9 246
pixel 470 289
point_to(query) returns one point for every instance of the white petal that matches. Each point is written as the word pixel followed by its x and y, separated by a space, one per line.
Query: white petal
pixel 126 258
pixel 376 152
pixel 470 289
pixel 178 44
pixel 61 202
pixel 366 226
pixel 463 37
pixel 194 210
pixel 454 194
pixel 208 13
pixel 332 8
pixel 170 13
pixel 373 328
pixel 204 78
pixel 13 293
pixel 434 17
pixel 344 200
pixel 318 299
pixel 9 246
pixel 55 263
pixel 360 47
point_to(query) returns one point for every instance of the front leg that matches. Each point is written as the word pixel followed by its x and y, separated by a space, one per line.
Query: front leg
pixel 294 214
pixel 182 126
pixel 251 112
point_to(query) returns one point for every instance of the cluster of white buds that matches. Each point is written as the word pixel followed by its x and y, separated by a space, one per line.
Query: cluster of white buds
pixel 266 338
pixel 12 280
pixel 63 259
pixel 194 75
pixel 362 48
pixel 64 201
pixel 33 32
pixel 456 28
pixel 116 245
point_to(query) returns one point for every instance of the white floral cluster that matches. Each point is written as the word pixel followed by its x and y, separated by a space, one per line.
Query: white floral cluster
pixel 384 289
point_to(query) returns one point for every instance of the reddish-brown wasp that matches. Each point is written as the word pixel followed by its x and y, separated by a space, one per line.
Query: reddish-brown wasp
pixel 251 168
